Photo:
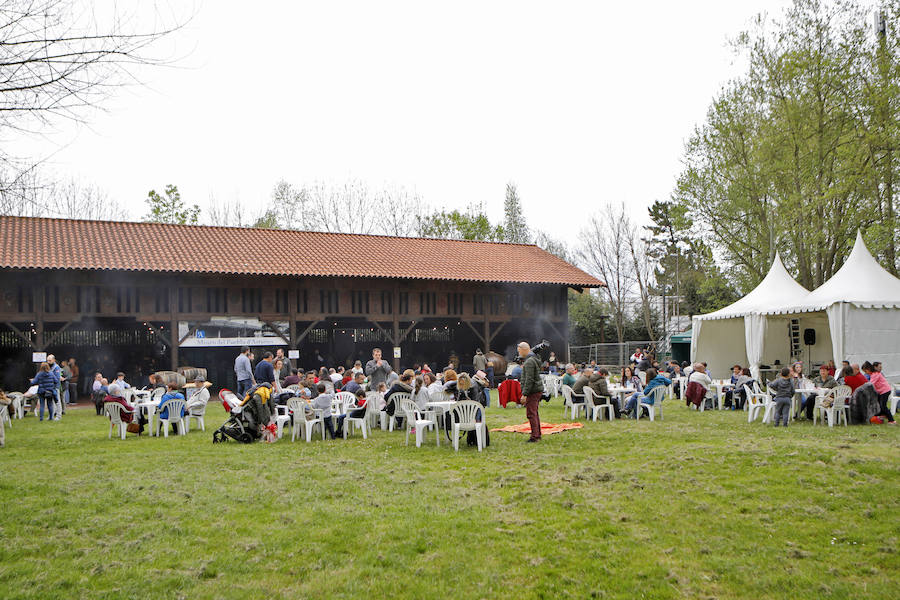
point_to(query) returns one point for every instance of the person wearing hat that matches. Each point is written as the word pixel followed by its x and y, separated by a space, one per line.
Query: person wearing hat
pixel 199 396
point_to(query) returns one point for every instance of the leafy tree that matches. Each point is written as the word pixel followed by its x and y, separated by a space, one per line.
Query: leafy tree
pixel 515 228
pixel 800 151
pixel 268 220
pixel 170 208
pixel 587 317
pixel 472 224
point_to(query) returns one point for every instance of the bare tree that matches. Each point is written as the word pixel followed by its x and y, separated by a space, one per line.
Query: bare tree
pixel 603 250
pixel 398 209
pixel 73 199
pixel 643 269
pixel 59 59
pixel 226 214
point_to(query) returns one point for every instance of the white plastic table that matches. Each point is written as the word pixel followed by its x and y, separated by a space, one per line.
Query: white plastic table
pixel 150 407
pixel 621 392
pixel 721 385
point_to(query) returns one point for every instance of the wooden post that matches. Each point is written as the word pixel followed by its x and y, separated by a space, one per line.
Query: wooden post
pixel 173 323
pixel 395 305
pixel 487 336
pixel 293 345
pixel 39 325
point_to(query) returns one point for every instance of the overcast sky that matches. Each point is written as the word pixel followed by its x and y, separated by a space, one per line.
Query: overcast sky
pixel 578 103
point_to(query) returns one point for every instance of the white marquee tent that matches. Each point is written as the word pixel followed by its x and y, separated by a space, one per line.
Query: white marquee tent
pixel 855 316
pixel 736 334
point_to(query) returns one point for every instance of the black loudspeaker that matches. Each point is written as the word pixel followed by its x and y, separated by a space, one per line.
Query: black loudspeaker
pixel 809 337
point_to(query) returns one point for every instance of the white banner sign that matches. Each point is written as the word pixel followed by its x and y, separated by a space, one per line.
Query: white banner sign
pixel 221 342
pixel 38 357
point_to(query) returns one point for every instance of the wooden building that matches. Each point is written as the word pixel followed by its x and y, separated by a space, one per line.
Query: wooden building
pixel 144 296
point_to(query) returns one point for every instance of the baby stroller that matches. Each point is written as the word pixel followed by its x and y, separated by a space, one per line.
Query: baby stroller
pixel 247 417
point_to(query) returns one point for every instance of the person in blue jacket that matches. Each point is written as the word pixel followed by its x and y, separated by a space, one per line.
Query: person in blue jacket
pixel 47 385
pixel 654 380
pixel 172 393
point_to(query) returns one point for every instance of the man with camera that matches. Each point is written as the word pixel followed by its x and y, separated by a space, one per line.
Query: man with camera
pixel 532 389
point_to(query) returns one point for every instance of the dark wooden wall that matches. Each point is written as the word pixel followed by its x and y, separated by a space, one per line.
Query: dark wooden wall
pixel 55 300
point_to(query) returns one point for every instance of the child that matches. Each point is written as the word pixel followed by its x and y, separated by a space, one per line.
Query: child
pixel 783 391
pixel 322 402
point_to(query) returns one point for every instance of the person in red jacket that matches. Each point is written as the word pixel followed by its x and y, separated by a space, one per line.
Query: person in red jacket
pixel 853 378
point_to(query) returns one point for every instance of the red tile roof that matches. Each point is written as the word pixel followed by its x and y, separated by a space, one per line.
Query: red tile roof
pixel 39 243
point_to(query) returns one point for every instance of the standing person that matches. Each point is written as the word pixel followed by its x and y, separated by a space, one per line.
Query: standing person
pixel 479 361
pixel 73 380
pixel 56 373
pixel 244 372
pixel 783 391
pixel 4 401
pixel 377 370
pixel 65 380
pixel 285 364
pixel 46 383
pixel 883 388
pixel 265 370
pixel 532 389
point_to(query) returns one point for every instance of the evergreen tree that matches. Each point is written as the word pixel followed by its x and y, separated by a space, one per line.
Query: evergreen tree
pixel 515 229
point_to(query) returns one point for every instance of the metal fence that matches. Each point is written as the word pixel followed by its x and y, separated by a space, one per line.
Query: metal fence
pixel 615 354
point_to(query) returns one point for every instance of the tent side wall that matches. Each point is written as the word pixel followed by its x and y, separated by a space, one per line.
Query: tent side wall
pixel 873 334
pixel 720 345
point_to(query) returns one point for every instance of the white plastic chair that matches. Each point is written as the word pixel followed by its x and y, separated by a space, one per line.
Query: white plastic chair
pixel 197 411
pixel 375 415
pixel 659 394
pixel 591 410
pixel 894 401
pixel 18 404
pixel 466 413
pixel 398 398
pixel 4 415
pixel 361 422
pixel 114 411
pixel 838 409
pixel 175 407
pixel 569 404
pixel 347 400
pixel 756 403
pixel 419 420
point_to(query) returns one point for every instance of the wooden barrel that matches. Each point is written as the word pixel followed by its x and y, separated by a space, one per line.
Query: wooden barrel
pixel 191 373
pixel 171 377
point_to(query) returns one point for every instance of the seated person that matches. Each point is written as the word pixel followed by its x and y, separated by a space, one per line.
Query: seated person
pixel 570 376
pixel 311 384
pixel 156 383
pixel 822 380
pixel 404 384
pixel 729 400
pixel 356 383
pixel 433 385
pixel 468 389
pixel 421 393
pixel 120 381
pixel 199 394
pixel 600 387
pixel 630 379
pixel 578 389
pixel 884 389
pixel 740 396
pixel 115 396
pixel 357 411
pixel 172 393
pixel 853 378
pixel 98 385
pixel 698 382
pixel 292 379
pixel 322 402
pixel 654 380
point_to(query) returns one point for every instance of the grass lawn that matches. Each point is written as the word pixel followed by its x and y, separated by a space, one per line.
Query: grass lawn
pixel 700 505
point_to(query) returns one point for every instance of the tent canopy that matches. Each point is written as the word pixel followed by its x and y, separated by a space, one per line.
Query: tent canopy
pixel 861 281
pixel 773 293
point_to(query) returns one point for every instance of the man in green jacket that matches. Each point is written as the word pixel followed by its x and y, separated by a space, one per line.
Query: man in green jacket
pixel 532 389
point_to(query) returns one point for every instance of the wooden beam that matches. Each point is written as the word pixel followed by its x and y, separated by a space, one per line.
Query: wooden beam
pixel 57 333
pixel 160 334
pixel 558 332
pixel 25 338
pixel 190 332
pixel 389 337
pixel 306 331
pixel 406 332
pixel 496 331
pixel 278 332
pixel 475 331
